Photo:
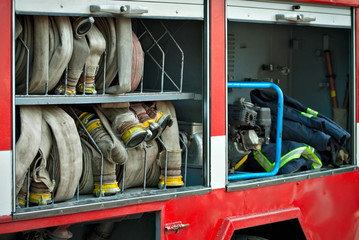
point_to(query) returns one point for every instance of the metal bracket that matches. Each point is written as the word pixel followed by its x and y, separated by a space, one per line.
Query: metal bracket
pixel 118 9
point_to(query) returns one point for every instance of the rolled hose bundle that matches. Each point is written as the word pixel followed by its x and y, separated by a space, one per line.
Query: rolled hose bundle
pixel 130 58
pixel 49 54
pixel 41 183
pixel 172 149
pixel 92 173
pixel 77 62
pixel 86 184
pixel 97 46
pixel 107 27
pixel 67 157
pixel 134 167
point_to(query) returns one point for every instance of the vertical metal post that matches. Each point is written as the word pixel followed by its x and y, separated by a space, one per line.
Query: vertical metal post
pixel 123 178
pixel 53 177
pixel 28 187
pixel 84 83
pixel 145 169
pixel 185 160
pixel 66 77
pixel 164 146
pixel 104 72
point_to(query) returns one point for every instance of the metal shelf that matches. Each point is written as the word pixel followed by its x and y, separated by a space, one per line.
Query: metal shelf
pixel 106 98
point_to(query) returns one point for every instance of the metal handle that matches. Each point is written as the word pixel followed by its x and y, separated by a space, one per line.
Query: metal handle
pixel 294 18
pixel 118 9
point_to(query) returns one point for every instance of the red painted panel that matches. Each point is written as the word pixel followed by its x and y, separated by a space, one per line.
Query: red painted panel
pixel 23 225
pixel 5 75
pixel 329 209
pixel 218 75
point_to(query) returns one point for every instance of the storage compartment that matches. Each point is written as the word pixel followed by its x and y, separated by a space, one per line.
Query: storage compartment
pixel 102 110
pixel 300 57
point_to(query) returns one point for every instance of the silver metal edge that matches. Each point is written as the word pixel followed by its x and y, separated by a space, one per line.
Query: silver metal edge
pixel 353 95
pixel 13 106
pixel 226 100
pixel 130 97
pixel 108 15
pixel 101 205
pixel 207 102
pixel 234 186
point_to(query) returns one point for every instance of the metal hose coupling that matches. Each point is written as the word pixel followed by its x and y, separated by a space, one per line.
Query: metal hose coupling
pixel 89 84
pixel 132 134
pixel 152 128
pixel 161 118
pixel 89 121
pixel 82 25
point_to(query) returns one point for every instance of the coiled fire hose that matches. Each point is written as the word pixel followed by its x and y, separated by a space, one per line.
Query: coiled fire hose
pixel 41 183
pixel 77 62
pixel 107 27
pixel 21 52
pixel 97 46
pixel 25 153
pixel 49 54
pixel 129 58
pixel 172 149
pixel 134 167
pixel 104 169
pixel 94 160
pixel 67 151
pixel 86 184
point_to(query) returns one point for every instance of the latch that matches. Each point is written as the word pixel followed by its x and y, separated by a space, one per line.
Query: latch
pixel 118 9
pixel 175 226
pixel 298 18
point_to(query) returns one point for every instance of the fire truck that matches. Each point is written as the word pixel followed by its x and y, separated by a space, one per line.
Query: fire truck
pixel 169 119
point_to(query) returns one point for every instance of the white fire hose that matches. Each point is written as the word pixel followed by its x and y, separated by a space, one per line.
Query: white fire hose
pixel 41 183
pixel 172 150
pixel 134 167
pixel 31 119
pixel 75 69
pixel 97 46
pixel 68 144
pixel 107 27
pixel 49 54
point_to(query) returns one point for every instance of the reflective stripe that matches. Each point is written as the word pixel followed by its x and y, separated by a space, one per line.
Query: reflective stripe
pixel 312 112
pixel 306 115
pixel 314 158
pixel 305 151
pixel 296 153
pixel 263 161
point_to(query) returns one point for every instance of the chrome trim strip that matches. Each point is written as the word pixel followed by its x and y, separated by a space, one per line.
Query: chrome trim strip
pixel 91 204
pixel 13 106
pixel 80 99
